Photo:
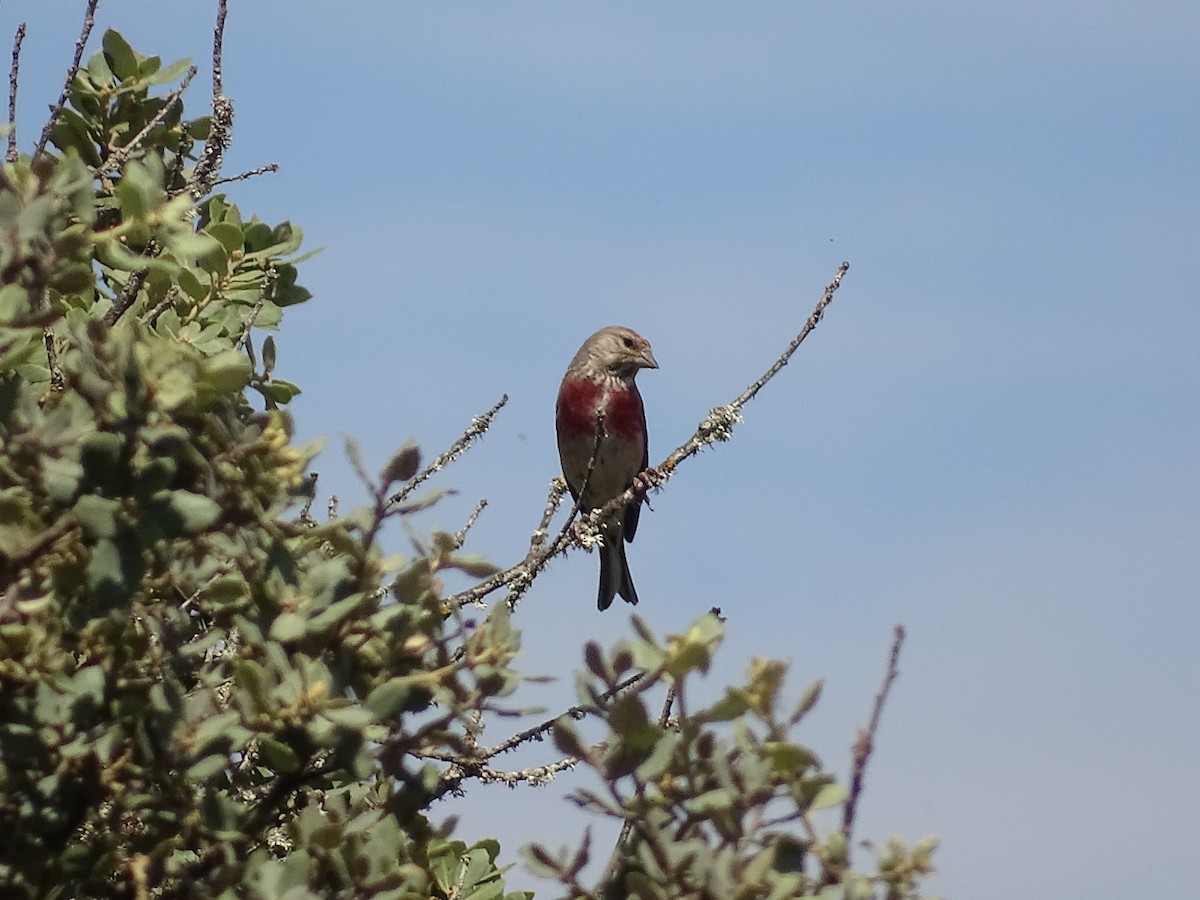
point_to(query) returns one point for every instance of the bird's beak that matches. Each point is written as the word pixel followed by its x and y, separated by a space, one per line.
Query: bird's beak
pixel 647 360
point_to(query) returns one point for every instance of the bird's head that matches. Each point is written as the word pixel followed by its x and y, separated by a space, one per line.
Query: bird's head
pixel 619 351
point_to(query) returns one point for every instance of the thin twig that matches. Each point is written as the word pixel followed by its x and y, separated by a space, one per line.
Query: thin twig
pixel 565 534
pixel 89 19
pixel 866 736
pixel 133 285
pixel 614 861
pixel 310 489
pixel 220 133
pixel 57 383
pixel 575 712
pixel 716 427
pixel 475 766
pixel 218 41
pixel 520 577
pixel 13 75
pixel 117 159
pixel 259 170
pixel 168 300
pixel 264 294
pixel 460 536
pixel 479 425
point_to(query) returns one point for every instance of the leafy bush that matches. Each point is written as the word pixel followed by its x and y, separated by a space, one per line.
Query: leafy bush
pixel 207 693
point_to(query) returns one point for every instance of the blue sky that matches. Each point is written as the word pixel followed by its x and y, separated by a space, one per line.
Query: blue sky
pixel 994 437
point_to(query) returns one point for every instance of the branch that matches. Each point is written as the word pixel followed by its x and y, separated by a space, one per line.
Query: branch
pixel 460 536
pixel 89 19
pixel 117 159
pixel 575 712
pixel 57 383
pixel 218 42
pixel 133 285
pixel 716 427
pixel 13 73
pixel 264 293
pixel 208 166
pixel 463 767
pixel 479 425
pixel 242 176
pixel 614 862
pixel 866 737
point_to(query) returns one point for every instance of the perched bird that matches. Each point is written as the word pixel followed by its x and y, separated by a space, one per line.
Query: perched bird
pixel 598 391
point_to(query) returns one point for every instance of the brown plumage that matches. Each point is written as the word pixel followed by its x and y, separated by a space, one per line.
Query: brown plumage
pixel 600 379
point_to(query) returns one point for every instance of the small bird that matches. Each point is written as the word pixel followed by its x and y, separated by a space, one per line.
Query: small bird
pixel 599 391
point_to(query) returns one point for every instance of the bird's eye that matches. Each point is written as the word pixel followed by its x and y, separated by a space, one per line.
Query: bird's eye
pixel 628 342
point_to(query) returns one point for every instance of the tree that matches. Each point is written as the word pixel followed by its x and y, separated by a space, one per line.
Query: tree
pixel 207 692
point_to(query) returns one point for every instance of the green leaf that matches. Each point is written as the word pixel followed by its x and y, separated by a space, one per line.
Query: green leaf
pixel 830 795
pixel 97 515
pixel 288 626
pixel 279 756
pixel 717 800
pixel 279 391
pixel 140 190
pixel 171 73
pixel 659 760
pixel 207 767
pixel 214 729
pixel 228 234
pixel 225 372
pixel 194 512
pixel 15 304
pixel 568 740
pixel 403 465
pixel 268 353
pixel 389 699
pixel 807 702
pixel 473 565
pixel 105 573
pixel 424 501
pixel 352 717
pixel 788 759
pixel 121 58
pixel 99 72
pixel 190 283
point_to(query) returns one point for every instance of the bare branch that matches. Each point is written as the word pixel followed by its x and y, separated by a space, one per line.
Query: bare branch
pixel 537 560
pixel 208 166
pixel 264 294
pixel 13 74
pixel 89 19
pixel 129 292
pixel 461 535
pixel 866 736
pixel 479 425
pixel 218 42
pixel 475 766
pixel 56 376
pixel 520 577
pixel 242 176
pixel 717 426
pixel 575 712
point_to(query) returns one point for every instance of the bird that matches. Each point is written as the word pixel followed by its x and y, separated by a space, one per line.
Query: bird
pixel 598 393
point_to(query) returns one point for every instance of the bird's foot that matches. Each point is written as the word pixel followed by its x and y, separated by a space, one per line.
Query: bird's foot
pixel 646 479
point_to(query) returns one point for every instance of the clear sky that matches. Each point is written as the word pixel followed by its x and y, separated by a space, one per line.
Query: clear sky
pixel 994 438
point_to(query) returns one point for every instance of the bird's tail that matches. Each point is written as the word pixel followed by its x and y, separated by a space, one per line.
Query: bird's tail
pixel 614 571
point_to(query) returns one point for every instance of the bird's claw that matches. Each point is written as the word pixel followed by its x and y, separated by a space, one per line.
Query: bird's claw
pixel 646 479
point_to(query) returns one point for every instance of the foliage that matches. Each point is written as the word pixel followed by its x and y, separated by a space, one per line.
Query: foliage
pixel 204 692
pixel 717 802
